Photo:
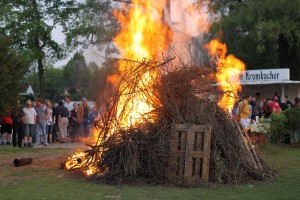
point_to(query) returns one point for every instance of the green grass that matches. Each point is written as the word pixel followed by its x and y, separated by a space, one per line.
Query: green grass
pixel 54 183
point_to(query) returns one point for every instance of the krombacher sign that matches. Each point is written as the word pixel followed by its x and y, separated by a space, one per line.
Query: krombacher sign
pixel 266 75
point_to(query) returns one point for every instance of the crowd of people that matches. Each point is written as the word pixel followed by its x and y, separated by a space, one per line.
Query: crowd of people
pixel 253 108
pixel 41 123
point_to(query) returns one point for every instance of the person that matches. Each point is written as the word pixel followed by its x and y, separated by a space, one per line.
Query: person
pixel 40 125
pixel 276 97
pixel 244 111
pixel 17 115
pixel 288 102
pixel 63 122
pixel 50 120
pixel 55 121
pixel 73 123
pixel 297 102
pixel 257 109
pixel 273 107
pixel 83 116
pixel 94 117
pixel 6 127
pixel 29 122
pixel 283 105
pixel 69 105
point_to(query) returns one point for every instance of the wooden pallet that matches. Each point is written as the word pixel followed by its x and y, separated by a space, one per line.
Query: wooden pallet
pixel 190 151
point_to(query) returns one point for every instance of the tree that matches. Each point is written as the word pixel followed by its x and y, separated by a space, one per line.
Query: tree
pixel 97 25
pixel 12 69
pixel 54 81
pixel 76 74
pixel 30 24
pixel 263 33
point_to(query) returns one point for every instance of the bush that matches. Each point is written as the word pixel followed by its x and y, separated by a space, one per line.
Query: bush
pixel 280 131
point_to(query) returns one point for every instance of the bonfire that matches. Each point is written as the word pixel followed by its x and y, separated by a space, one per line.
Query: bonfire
pixel 153 90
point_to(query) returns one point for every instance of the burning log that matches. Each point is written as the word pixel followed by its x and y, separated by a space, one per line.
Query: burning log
pixel 22 162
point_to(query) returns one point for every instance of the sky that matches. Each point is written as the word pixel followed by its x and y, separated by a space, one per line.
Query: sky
pixel 184 19
pixel 89 53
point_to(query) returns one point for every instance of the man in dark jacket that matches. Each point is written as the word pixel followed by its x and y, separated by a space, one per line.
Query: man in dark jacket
pixel 63 121
pixel 17 115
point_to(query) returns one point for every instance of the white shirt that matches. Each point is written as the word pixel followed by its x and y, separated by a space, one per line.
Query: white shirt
pixel 69 106
pixel 49 120
pixel 30 113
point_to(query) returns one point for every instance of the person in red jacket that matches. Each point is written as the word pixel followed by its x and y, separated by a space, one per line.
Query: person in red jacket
pixel 6 127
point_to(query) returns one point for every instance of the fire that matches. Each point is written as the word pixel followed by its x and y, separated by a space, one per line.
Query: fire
pixel 78 160
pixel 229 70
pixel 143 37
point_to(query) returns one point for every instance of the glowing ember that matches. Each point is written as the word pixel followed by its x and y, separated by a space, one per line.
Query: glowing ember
pixel 229 70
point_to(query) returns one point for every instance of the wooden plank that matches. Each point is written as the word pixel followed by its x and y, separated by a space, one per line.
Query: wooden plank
pixel 189 151
pixel 183 140
pixel 251 161
pixel 252 150
pixel 174 163
pixel 206 152
pixel 197 168
pixel 198 146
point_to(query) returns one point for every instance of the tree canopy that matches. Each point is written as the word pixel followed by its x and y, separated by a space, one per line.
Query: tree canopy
pixel 30 24
pixel 12 69
pixel 263 33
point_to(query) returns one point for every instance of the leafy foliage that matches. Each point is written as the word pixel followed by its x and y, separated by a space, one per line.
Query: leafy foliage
pixel 12 70
pixel 263 33
pixel 30 25
pixel 280 132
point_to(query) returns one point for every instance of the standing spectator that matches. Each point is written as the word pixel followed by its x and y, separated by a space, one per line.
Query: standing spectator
pixel 276 97
pixel 29 122
pixel 40 126
pixel 17 115
pixel 69 105
pixel 283 105
pixel 63 122
pixel 6 127
pixel 82 116
pixel 73 123
pixel 297 102
pixel 49 121
pixel 259 102
pixel 273 106
pixel 55 121
pixel 288 102
pixel 244 111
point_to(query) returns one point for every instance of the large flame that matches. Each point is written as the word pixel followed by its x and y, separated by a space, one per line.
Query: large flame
pixel 143 37
pixel 229 71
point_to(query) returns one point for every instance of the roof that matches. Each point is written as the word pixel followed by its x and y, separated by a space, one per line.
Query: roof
pixel 25 88
pixel 269 82
pixel 263 82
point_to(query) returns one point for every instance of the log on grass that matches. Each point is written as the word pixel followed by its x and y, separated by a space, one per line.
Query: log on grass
pixel 22 162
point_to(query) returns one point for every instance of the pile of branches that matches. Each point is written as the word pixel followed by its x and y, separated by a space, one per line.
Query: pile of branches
pixel 141 153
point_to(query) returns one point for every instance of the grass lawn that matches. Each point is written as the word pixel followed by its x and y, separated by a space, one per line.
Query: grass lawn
pixel 43 179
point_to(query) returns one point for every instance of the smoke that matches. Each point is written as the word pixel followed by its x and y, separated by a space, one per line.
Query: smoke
pixel 190 17
pixel 190 20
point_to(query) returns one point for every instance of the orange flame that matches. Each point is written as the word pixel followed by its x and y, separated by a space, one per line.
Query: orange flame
pixel 143 37
pixel 229 71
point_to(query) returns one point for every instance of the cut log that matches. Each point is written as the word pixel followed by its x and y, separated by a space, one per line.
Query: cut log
pixel 22 162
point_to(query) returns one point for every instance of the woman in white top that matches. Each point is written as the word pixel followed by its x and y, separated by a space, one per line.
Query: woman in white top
pixel 49 120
